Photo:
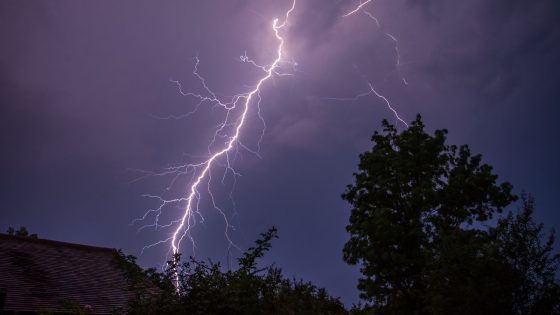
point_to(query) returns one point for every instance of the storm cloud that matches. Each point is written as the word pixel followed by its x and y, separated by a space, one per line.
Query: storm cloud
pixel 82 84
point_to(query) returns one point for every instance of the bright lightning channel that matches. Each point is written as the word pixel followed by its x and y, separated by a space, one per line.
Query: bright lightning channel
pixel 202 172
pixel 372 91
pixel 358 8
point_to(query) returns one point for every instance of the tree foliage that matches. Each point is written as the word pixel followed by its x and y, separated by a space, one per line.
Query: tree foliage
pixel 419 229
pixel 22 231
pixel 528 252
pixel 204 288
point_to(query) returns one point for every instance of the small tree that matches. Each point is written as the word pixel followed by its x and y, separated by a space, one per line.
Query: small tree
pixel 21 232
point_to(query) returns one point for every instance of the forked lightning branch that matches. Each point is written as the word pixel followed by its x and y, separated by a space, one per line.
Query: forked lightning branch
pixel 225 141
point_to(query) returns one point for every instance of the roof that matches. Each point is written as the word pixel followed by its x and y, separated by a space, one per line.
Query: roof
pixel 38 275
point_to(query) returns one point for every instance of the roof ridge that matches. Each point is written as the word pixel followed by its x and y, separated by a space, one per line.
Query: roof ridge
pixel 54 243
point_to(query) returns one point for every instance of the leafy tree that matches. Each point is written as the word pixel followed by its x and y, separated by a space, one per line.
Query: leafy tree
pixel 21 232
pixel 529 255
pixel 419 207
pixel 514 271
pixel 204 288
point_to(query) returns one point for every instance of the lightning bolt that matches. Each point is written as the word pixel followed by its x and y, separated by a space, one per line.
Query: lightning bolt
pixel 236 109
pixel 372 91
pixel 358 8
pixel 397 61
pixel 226 143
pixel 376 20
pixel 388 35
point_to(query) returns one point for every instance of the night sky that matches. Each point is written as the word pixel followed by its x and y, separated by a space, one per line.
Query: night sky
pixel 84 85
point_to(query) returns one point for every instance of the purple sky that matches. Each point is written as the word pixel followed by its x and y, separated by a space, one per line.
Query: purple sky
pixel 81 83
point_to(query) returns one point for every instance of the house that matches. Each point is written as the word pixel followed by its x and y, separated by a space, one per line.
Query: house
pixel 38 275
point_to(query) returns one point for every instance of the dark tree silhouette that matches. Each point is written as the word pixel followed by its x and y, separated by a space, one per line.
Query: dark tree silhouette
pixel 419 230
pixel 531 261
pixel 21 232
pixel 204 288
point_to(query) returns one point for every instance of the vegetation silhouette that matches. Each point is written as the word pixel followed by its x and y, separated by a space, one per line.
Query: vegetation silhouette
pixel 421 230
pixel 204 288
pixel 22 231
pixel 426 229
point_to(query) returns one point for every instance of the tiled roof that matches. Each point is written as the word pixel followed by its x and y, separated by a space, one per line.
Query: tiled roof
pixel 38 274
